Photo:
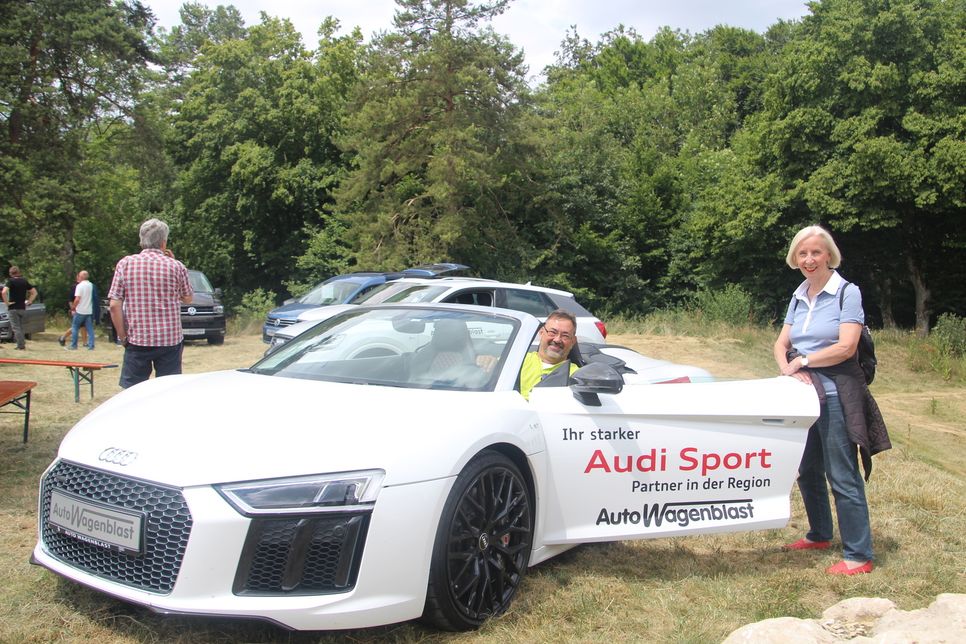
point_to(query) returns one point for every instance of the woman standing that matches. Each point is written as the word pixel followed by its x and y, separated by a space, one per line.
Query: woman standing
pixel 817 345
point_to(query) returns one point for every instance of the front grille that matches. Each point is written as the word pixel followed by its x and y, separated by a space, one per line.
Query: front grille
pixel 199 310
pixel 167 527
pixel 302 555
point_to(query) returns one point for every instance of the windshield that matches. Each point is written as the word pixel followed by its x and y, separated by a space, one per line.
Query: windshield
pixel 400 347
pixel 333 292
pixel 199 283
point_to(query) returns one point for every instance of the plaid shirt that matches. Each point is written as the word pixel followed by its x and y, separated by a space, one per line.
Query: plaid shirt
pixel 150 286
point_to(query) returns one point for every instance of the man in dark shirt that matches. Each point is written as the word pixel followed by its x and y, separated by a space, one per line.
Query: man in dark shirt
pixel 18 294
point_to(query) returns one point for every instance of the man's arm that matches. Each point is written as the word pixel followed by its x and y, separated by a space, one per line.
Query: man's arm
pixel 5 293
pixel 117 319
pixel 31 296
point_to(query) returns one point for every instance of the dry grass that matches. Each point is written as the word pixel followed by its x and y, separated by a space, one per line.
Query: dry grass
pixel 695 589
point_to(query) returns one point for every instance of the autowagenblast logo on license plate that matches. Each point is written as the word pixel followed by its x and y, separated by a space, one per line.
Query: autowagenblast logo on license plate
pixel 95 523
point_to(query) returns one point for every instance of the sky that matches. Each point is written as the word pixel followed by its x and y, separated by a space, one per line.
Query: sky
pixel 536 26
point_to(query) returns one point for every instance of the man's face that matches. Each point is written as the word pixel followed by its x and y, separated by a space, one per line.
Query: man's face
pixel 557 338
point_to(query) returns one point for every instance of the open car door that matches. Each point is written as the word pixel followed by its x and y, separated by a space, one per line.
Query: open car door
pixel 659 460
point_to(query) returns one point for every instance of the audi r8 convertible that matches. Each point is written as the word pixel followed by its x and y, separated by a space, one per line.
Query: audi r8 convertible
pixel 383 466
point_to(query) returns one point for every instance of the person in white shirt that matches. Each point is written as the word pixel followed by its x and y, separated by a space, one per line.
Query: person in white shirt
pixel 83 308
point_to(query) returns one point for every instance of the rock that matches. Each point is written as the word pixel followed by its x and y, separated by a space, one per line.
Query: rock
pixel 788 630
pixel 863 620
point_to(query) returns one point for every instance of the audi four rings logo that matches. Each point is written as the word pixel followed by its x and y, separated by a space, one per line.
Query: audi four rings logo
pixel 117 456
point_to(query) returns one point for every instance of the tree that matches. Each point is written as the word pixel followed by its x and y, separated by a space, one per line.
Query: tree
pixel 867 130
pixel 70 73
pixel 254 144
pixel 435 142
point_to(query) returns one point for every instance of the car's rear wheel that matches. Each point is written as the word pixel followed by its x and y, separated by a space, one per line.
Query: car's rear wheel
pixel 482 545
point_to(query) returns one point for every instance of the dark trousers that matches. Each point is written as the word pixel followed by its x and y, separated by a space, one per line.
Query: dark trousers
pixel 138 362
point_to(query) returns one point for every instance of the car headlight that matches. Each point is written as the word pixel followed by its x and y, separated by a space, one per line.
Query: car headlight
pixel 277 341
pixel 218 309
pixel 305 494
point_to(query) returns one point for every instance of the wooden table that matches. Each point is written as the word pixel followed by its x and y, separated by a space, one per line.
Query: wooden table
pixel 79 371
pixel 17 394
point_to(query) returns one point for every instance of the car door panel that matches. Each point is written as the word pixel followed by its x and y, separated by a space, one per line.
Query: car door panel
pixel 673 459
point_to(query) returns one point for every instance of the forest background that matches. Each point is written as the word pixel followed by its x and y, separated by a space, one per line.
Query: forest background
pixel 638 174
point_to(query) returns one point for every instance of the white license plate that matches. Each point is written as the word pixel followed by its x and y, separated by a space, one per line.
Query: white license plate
pixel 194 331
pixel 270 332
pixel 101 525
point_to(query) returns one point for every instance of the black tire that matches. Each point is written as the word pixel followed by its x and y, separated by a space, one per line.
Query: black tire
pixel 216 339
pixel 482 545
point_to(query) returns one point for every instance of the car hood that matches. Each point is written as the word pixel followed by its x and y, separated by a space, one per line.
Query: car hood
pixel 199 298
pixel 287 311
pixel 236 426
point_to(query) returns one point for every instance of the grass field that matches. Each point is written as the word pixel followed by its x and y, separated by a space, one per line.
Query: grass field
pixel 695 589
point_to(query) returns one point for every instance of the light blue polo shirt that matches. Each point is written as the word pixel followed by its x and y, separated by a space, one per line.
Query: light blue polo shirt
pixel 815 325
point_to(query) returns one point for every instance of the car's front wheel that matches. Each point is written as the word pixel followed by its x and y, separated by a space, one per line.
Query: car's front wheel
pixel 482 545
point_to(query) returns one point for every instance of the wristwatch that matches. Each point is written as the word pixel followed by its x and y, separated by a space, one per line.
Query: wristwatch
pixel 804 361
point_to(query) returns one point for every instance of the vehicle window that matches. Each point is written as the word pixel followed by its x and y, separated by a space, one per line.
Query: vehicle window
pixel 568 303
pixel 199 283
pixel 415 294
pixel 530 302
pixel 477 297
pixel 415 348
pixel 376 293
pixel 329 293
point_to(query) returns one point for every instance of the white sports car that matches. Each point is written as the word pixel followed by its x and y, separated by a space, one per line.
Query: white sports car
pixel 380 468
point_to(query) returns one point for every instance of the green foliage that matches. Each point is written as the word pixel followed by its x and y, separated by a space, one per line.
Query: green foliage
pixel 436 143
pixel 732 305
pixel 643 175
pixel 254 306
pixel 949 335
pixel 71 75
pixel 254 145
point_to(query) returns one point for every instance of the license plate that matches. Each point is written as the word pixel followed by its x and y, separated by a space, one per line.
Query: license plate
pixel 270 332
pixel 96 523
pixel 194 331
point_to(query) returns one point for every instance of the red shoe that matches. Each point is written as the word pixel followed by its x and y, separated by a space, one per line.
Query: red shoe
pixel 841 568
pixel 805 544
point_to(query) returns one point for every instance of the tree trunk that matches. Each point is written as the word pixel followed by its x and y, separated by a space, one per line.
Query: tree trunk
pixel 922 297
pixel 885 304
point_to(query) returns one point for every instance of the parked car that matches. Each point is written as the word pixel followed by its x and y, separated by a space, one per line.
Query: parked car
pixel 34 322
pixel 428 487
pixel 202 319
pixel 341 289
pixel 538 301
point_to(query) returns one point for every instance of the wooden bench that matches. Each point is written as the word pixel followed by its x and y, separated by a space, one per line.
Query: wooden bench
pixel 79 371
pixel 17 393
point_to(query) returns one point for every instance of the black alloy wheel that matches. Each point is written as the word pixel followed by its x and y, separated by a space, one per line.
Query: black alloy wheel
pixel 482 546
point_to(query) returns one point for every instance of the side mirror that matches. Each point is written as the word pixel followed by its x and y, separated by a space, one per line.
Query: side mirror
pixel 595 379
pixel 217 292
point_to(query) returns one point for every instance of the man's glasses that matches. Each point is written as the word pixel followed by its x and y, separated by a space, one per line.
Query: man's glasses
pixel 554 333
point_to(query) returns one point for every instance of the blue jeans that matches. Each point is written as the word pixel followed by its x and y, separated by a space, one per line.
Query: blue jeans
pixel 830 454
pixel 87 321
pixel 139 360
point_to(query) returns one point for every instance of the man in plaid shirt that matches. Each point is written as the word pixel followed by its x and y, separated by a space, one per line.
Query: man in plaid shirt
pixel 146 296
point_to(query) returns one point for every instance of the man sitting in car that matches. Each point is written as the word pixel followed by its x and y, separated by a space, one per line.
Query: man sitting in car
pixel 557 339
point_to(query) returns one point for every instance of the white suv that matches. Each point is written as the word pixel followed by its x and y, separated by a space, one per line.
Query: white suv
pixel 538 301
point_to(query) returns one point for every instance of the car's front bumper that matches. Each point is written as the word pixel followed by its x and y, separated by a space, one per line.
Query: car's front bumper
pixel 390 585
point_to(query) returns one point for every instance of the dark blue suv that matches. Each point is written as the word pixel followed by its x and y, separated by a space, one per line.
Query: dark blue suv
pixel 343 289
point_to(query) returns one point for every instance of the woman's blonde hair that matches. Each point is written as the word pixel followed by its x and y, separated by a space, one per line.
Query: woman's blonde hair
pixel 835 256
